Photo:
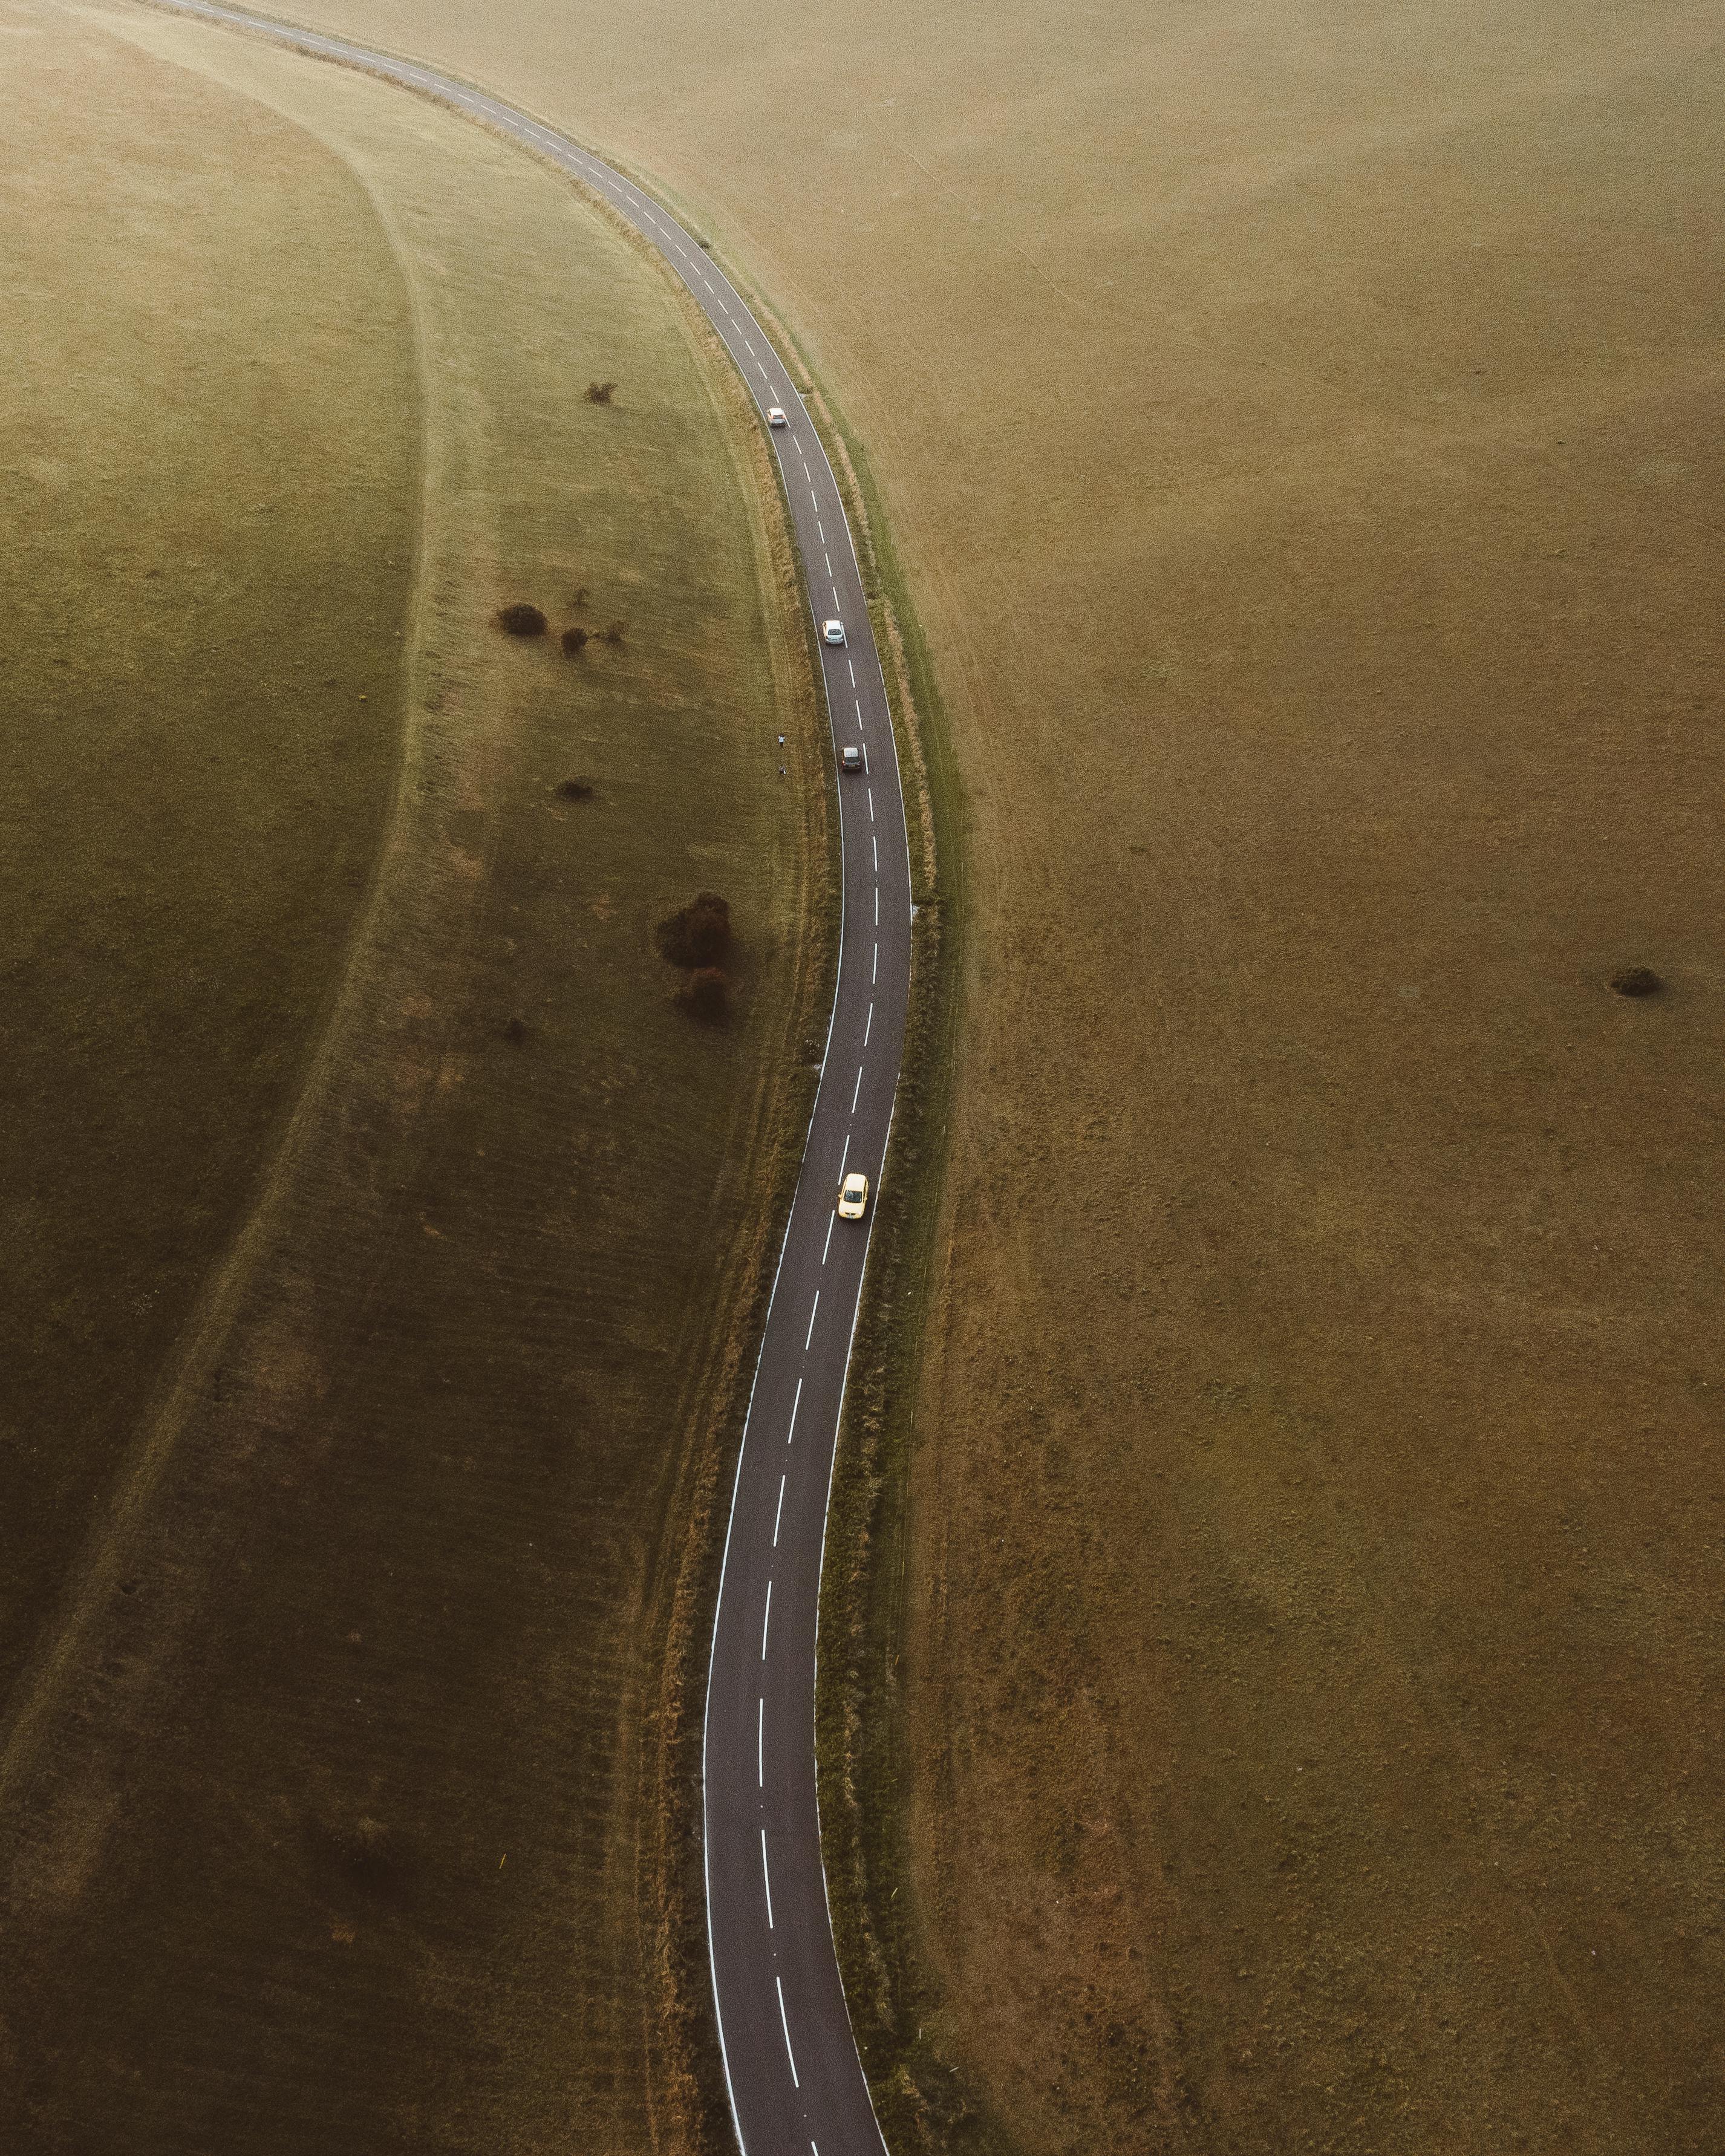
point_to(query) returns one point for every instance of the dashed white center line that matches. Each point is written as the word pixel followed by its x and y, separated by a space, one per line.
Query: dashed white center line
pixel 876 843
pixel 786 2026
pixel 875 971
pixel 750 348
pixel 779 1514
pixel 815 498
pixel 828 1245
pixel 872 804
pixel 809 1334
pixel 846 1155
pixel 851 663
pixel 795 1404
pixel 870 1027
pixel 761 1743
pixel 877 909
pixel 822 529
pixel 828 559
pixel 856 1089
pixel 766 1879
pixel 859 720
pixel 835 595
pixel 766 1619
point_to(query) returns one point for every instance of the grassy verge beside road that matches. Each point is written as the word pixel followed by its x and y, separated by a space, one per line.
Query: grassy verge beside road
pixel 349 1808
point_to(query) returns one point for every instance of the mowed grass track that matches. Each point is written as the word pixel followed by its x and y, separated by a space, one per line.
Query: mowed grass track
pixel 343 1815
pixel 1298 430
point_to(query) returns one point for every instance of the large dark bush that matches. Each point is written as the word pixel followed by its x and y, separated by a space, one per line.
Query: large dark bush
pixel 522 619
pixel 1636 981
pixel 698 935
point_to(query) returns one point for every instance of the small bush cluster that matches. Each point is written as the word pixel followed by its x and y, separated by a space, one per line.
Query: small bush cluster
pixel 698 940
pixel 575 789
pixel 1636 981
pixel 615 634
pixel 573 640
pixel 601 392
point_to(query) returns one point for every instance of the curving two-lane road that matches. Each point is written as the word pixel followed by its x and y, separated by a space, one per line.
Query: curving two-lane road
pixel 791 2064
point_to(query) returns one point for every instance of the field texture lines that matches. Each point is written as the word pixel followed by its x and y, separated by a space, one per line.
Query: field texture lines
pixel 1298 431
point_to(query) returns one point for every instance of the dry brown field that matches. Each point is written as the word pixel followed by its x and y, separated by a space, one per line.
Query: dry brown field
pixel 378 1229
pixel 1299 428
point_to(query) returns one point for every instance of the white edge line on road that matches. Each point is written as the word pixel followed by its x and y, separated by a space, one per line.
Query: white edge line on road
pixel 820 1571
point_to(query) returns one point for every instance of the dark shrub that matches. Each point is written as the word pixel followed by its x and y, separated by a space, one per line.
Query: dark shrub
pixel 1636 981
pixel 706 995
pixel 698 935
pixel 514 1032
pixel 521 619
pixel 575 789
pixel 573 640
pixel 601 392
pixel 616 633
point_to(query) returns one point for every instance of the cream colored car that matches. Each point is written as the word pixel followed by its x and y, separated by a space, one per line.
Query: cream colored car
pixel 853 1197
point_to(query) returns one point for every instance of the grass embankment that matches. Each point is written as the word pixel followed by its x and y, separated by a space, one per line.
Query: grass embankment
pixel 354 1812
pixel 1298 436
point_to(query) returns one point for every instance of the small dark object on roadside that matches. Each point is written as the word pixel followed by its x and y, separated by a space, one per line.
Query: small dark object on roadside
pixel 573 639
pixel 705 244
pixel 616 633
pixel 706 995
pixel 575 789
pixel 601 392
pixel 521 619
pixel 696 936
pixel 515 1031
pixel 1636 981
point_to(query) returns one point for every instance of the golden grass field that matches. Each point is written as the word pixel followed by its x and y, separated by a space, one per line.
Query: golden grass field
pixel 381 1235
pixel 1299 432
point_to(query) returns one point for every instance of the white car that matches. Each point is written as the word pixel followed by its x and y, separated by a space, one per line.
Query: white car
pixel 853 1197
pixel 775 417
pixel 850 759
pixel 832 631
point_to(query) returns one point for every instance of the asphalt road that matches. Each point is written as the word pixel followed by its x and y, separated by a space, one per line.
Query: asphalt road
pixel 795 2081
